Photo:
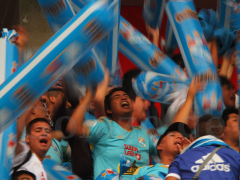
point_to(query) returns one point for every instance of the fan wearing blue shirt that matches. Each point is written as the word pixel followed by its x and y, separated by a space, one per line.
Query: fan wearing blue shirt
pixel 115 136
pixel 169 146
pixel 221 164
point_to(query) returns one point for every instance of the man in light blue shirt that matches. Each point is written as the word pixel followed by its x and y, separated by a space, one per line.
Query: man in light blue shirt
pixel 169 146
pixel 115 135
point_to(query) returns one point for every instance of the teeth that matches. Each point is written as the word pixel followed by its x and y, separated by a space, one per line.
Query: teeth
pixel 124 103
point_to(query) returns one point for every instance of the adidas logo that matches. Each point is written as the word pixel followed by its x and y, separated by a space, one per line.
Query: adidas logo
pixel 214 164
pixel 120 136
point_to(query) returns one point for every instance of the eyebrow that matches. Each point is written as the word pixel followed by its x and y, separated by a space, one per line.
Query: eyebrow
pixel 116 95
pixel 55 89
pixel 42 128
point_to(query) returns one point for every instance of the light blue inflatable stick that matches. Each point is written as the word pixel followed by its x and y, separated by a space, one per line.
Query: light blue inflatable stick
pixel 144 54
pixel 223 13
pixel 158 87
pixel 92 70
pixel 36 76
pixel 170 40
pixel 140 50
pixel 57 172
pixel 196 55
pixel 8 65
pixel 235 23
pixel 113 42
pixel 107 49
pixel 153 11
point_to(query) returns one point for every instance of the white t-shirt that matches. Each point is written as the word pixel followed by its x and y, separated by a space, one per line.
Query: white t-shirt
pixel 34 165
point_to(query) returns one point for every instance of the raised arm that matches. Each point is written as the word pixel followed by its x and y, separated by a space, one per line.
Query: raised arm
pixel 100 96
pixel 224 66
pixel 154 34
pixel 214 52
pixel 75 124
pixel 184 111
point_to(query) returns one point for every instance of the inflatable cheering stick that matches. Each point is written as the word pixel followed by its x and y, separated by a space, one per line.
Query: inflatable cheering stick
pixel 57 172
pixel 196 55
pixel 170 40
pixel 223 13
pixel 36 76
pixel 153 11
pixel 144 54
pixel 106 49
pixel 8 65
pixel 64 12
pixel 158 87
pixel 88 71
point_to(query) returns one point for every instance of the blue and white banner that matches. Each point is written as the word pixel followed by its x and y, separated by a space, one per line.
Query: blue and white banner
pixel 36 76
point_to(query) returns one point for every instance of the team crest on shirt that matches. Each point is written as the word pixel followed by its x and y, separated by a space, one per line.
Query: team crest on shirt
pixel 142 141
pixel 54 148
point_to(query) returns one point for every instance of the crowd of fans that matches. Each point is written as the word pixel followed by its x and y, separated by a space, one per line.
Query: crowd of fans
pixel 67 131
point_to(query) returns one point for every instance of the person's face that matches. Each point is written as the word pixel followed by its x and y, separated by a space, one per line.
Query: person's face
pixel 37 110
pixel 40 138
pixel 55 98
pixel 232 129
pixel 140 108
pixel 170 142
pixel 121 105
pixel 228 95
pixel 25 177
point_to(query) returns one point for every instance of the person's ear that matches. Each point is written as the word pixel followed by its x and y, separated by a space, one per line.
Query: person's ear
pixel 27 138
pixel 52 99
pixel 68 105
pixel 109 111
pixel 159 147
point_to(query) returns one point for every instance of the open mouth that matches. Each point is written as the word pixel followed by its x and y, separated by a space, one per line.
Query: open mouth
pixel 43 141
pixel 178 142
pixel 125 104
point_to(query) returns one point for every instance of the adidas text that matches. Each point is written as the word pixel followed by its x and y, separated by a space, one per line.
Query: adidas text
pixel 213 167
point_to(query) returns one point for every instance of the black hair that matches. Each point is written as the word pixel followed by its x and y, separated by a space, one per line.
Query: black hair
pixel 177 58
pixel 16 175
pixel 227 111
pixel 107 100
pixel 31 123
pixel 224 81
pixel 127 82
pixel 209 130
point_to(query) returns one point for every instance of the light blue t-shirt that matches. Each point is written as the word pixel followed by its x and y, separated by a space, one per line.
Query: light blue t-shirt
pixel 110 140
pixel 158 170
